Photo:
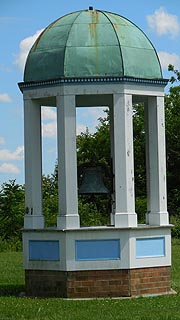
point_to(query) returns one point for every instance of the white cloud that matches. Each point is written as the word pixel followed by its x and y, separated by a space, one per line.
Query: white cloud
pixel 4 97
pixel 164 23
pixel 7 155
pixel 169 58
pixel 96 112
pixel 9 168
pixel 49 130
pixel 49 113
pixel 7 19
pixel 5 68
pixel 88 118
pixel 80 128
pixel 24 47
pixel 2 140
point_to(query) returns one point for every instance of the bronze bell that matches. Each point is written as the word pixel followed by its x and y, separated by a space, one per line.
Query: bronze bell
pixel 92 181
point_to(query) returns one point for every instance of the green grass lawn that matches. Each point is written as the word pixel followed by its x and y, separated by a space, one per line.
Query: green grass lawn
pixel 16 308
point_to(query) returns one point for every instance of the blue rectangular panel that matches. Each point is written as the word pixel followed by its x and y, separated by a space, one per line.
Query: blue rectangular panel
pixel 42 250
pixel 97 249
pixel 150 247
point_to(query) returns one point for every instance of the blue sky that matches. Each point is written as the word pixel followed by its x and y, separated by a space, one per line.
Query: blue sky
pixel 20 23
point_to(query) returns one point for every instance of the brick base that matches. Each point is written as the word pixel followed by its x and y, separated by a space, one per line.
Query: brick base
pixel 98 283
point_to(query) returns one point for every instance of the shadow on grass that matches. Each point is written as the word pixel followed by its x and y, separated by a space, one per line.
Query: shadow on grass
pixel 11 290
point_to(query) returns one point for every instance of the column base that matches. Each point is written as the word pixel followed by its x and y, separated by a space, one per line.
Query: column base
pixel 68 222
pixel 99 283
pixel 157 218
pixel 125 220
pixel 33 222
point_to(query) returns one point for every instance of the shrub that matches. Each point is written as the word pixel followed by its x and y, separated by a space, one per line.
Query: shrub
pixel 11 210
pixel 141 209
pixel 90 215
pixel 13 244
pixel 175 220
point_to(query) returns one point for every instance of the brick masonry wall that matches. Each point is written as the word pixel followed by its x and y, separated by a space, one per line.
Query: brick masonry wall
pixel 98 283
pixel 148 281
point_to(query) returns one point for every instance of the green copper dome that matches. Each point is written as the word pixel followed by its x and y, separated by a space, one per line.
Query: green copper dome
pixel 92 43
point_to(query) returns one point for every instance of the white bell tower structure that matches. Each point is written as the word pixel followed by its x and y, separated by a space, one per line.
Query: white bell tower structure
pixel 73 64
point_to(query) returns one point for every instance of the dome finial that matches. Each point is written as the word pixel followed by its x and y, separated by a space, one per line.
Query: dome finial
pixel 91 8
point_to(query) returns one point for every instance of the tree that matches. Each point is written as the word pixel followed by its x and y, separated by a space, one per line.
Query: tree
pixel 139 150
pixel 172 111
pixel 176 74
pixel 172 103
pixel 50 197
pixel 11 210
pixel 95 147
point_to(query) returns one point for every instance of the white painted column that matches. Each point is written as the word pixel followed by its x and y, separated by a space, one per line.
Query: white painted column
pixel 111 116
pixel 33 218
pixel 68 217
pixel 156 162
pixel 125 215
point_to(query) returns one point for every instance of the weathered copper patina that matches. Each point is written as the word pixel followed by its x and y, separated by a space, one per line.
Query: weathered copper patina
pixel 92 43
